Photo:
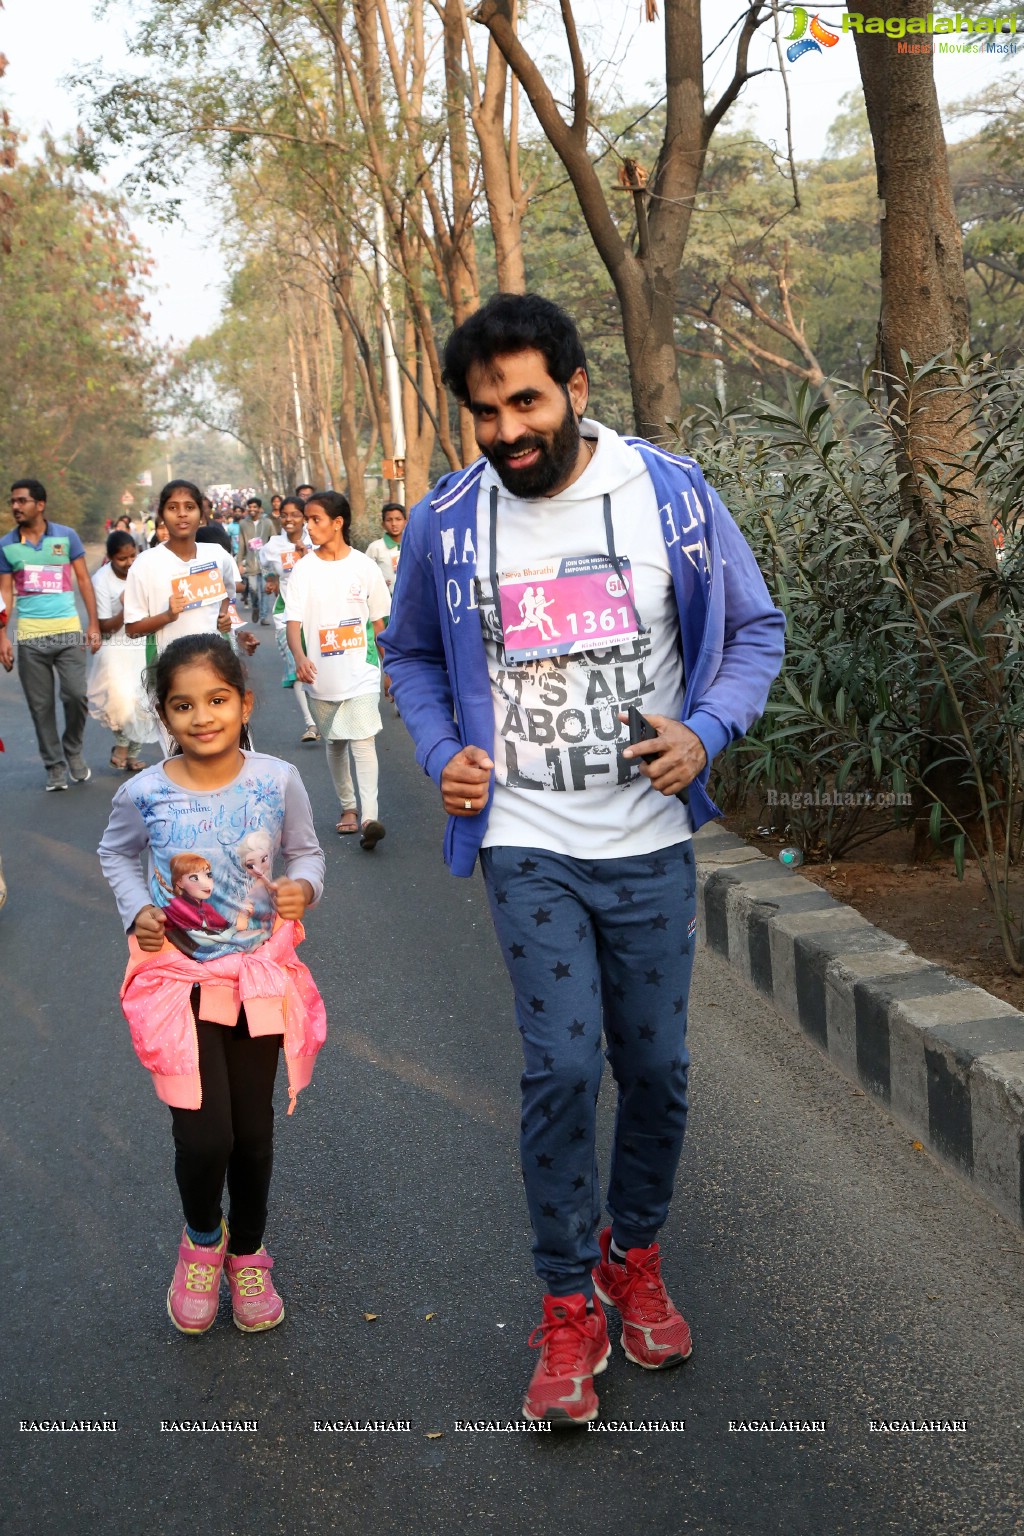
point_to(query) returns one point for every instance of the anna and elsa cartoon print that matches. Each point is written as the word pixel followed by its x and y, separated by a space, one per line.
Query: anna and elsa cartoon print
pixel 204 922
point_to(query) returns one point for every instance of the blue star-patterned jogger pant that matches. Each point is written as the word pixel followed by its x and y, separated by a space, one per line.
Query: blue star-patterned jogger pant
pixel 592 942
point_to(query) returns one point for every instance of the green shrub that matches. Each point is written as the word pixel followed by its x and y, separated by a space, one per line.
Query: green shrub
pixel 902 676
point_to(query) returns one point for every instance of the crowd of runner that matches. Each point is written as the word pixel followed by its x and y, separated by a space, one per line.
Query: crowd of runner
pixel 571 628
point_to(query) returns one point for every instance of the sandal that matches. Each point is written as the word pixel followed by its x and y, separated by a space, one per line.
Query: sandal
pixel 135 765
pixel 372 832
pixel 349 823
pixel 119 759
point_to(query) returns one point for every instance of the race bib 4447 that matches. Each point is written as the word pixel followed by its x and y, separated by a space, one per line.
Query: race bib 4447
pixel 203 585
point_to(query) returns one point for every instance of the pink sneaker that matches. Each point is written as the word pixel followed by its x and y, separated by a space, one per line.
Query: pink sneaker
pixel 195 1290
pixel 254 1302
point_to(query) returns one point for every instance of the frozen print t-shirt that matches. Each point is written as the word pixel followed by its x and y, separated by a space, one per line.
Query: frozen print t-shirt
pixel 211 856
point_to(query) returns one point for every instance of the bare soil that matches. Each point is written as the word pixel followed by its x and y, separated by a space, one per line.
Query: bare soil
pixel 946 920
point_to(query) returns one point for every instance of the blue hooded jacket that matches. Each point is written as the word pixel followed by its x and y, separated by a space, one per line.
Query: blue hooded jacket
pixel 434 650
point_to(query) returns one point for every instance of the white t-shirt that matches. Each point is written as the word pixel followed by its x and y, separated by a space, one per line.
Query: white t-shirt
pixel 108 587
pixel 385 557
pixel 280 556
pixel 560 781
pixel 336 602
pixel 150 582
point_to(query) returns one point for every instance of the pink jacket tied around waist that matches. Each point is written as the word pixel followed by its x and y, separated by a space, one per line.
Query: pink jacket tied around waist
pixel 272 984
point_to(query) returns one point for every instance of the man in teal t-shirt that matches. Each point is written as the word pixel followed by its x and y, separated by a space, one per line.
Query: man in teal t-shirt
pixel 38 560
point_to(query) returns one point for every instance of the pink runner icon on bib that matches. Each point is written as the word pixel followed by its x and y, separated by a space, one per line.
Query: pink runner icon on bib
pixel 557 607
pixel 32 580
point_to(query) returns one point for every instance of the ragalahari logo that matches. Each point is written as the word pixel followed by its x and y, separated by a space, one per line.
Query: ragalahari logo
pixel 820 36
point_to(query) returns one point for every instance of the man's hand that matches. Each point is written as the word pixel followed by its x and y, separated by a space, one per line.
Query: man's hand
pixel 177 605
pixel 149 929
pixel 465 781
pixel 290 897
pixel 305 670
pixel 6 651
pixel 387 685
pixel 93 639
pixel 673 758
pixel 224 619
pixel 246 639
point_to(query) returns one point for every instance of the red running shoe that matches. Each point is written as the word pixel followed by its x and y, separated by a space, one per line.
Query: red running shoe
pixel 574 1348
pixel 654 1334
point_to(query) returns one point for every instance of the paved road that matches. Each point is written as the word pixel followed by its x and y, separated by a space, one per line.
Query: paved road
pixel 829 1271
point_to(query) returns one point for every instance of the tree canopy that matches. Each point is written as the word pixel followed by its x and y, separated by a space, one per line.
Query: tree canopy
pixel 76 391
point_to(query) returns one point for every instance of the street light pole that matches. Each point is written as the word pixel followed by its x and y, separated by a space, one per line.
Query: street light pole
pixel 391 373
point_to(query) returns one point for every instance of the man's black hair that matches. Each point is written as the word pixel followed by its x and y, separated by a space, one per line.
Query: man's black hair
pixel 305 486
pixel 254 501
pixel 513 322
pixel 35 488
pixel 393 506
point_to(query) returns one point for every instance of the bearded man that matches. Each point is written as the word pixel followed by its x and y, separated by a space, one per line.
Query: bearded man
pixel 569 593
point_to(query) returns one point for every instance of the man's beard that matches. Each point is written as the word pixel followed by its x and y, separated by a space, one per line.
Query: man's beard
pixel 554 465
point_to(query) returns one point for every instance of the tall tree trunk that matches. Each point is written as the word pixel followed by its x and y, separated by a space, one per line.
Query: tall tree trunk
pixel 644 279
pixel 924 308
pixel 924 313
pixel 419 406
pixel 463 277
pixel 499 155
pixel 348 425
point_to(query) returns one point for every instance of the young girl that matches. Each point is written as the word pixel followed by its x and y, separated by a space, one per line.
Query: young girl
pixel 117 697
pixel 335 608
pixel 214 986
pixel 182 588
pixel 279 557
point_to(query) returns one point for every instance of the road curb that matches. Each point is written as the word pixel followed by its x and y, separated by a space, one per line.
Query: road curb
pixel 945 1058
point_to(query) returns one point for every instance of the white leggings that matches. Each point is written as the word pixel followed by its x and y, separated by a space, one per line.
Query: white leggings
pixel 300 698
pixel 289 671
pixel 364 760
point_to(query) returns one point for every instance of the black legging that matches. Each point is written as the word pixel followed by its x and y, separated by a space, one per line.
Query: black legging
pixel 231 1133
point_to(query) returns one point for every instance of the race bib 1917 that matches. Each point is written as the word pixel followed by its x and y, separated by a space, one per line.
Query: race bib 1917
pixel 33 579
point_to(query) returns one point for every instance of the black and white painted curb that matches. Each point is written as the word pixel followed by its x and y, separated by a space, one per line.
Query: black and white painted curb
pixel 945 1058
